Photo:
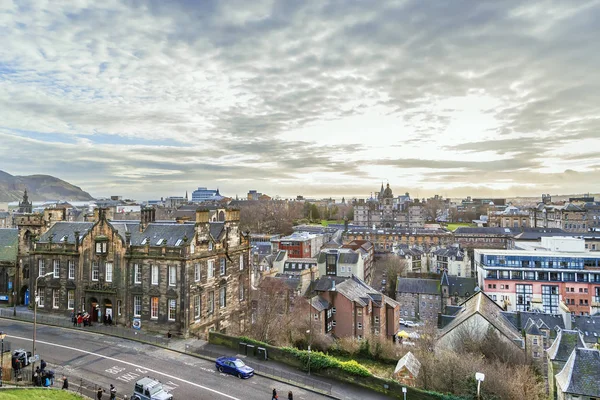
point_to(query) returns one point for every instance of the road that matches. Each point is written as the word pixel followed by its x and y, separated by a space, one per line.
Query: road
pixel 105 360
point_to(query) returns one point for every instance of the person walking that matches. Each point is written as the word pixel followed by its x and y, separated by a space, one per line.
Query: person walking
pixel 290 395
pixel 275 397
pixel 42 365
pixel 113 392
pixel 99 393
pixel 65 383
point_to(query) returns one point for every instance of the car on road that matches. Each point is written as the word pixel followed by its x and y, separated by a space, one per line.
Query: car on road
pixel 20 359
pixel 383 282
pixel 402 321
pixel 150 389
pixel 234 366
pixel 410 324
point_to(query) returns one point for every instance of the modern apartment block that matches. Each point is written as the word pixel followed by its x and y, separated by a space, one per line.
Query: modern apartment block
pixel 300 244
pixel 541 275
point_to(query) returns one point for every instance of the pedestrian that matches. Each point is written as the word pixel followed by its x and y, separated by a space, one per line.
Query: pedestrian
pixel 290 395
pixel 169 334
pixel 73 318
pixel 99 394
pixel 109 319
pixel 79 320
pixel 113 392
pixel 36 376
pixel 42 365
pixel 275 397
pixel 65 383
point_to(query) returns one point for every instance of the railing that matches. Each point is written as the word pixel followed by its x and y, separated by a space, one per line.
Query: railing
pixel 78 385
pixel 64 321
pixel 271 372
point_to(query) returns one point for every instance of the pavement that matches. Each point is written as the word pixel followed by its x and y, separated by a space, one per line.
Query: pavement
pixel 192 346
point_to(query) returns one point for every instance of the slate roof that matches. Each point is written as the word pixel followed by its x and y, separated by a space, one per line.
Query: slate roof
pixel 487 308
pixel 354 290
pixel 348 258
pixel 262 249
pixel 461 285
pixel 410 362
pixel 319 303
pixel 464 230
pixel 451 251
pixel 418 285
pixel 564 344
pixel 68 229
pixel 589 327
pixel 543 320
pixel 581 373
pixel 9 245
pixel 531 328
pixel 217 229
pixel 172 232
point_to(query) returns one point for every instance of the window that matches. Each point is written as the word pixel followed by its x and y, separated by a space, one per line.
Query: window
pixel 56 268
pixel 536 354
pixel 241 262
pixel 154 307
pixel 333 310
pixel 71 270
pixel 172 309
pixel 95 271
pixel 210 245
pixel 197 273
pixel 101 247
pixel 172 275
pixel 109 272
pixel 241 291
pixel 119 309
pixel 550 299
pixel 359 312
pixel 197 306
pixel 223 297
pixel 41 297
pixel 42 267
pixel 524 295
pixel 211 302
pixel 70 300
pixel 376 319
pixel 154 274
pixel 137 306
pixel 316 316
pixel 137 273
pixel 359 325
pixel 55 298
pixel 223 266
pixel 535 341
pixel 211 269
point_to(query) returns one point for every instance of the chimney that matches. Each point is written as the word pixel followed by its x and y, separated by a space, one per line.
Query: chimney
pixel 202 216
pixel 148 215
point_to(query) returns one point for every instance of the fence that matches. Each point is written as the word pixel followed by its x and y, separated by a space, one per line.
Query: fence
pixel 64 321
pixel 24 377
pixel 275 373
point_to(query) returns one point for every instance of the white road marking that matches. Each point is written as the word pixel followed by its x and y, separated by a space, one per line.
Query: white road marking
pixel 131 364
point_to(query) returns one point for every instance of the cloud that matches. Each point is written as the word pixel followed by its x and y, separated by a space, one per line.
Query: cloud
pixel 147 97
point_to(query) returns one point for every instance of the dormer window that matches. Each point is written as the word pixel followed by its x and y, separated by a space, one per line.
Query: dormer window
pixel 101 247
pixel 145 241
pixel 64 238
pixel 210 245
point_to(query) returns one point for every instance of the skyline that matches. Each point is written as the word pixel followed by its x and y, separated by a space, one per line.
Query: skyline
pixel 147 99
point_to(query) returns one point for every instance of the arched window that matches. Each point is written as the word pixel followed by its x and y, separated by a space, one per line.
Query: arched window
pixel 221 216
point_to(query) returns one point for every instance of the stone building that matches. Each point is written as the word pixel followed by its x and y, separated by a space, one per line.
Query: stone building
pixel 182 277
pixel 387 211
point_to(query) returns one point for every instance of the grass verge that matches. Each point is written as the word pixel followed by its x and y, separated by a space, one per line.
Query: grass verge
pixel 38 394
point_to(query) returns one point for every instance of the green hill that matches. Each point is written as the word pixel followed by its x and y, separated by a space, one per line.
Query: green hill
pixel 39 188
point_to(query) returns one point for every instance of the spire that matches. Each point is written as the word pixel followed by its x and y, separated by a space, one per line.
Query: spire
pixel 186 195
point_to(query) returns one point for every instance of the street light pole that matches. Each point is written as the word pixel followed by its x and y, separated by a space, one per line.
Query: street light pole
pixel 35 301
pixel 15 286
pixel 2 336
pixel 480 377
pixel 404 390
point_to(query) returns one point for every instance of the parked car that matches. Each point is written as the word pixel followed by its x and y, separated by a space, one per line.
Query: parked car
pixel 20 359
pixel 383 281
pixel 402 321
pixel 150 389
pixel 410 324
pixel 234 366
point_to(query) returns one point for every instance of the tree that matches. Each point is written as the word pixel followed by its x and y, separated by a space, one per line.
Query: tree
pixel 275 216
pixel 393 266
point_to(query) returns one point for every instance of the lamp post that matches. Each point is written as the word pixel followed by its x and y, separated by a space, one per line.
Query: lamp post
pixel 15 286
pixel 308 331
pixel 480 377
pixel 404 391
pixel 35 301
pixel 2 336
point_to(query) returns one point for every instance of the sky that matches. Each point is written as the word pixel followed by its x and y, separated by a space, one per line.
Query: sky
pixel 148 99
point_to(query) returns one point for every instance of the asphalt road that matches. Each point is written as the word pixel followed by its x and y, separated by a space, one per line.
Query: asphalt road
pixel 106 360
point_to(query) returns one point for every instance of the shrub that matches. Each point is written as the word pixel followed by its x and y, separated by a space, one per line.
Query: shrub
pixel 354 368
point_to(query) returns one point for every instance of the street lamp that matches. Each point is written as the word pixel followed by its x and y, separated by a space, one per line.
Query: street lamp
pixel 2 336
pixel 308 331
pixel 15 285
pixel 480 377
pixel 404 391
pixel 35 301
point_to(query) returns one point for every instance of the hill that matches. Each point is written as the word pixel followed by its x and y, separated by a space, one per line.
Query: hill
pixel 39 188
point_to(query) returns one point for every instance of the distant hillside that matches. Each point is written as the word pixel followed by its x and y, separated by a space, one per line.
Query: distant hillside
pixel 39 188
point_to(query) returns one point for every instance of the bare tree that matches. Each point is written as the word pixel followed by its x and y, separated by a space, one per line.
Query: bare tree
pixel 274 216
pixel 393 266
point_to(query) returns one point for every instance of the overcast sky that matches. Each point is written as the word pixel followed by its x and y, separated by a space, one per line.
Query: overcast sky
pixel 152 98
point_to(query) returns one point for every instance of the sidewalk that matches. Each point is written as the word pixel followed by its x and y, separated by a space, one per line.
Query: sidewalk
pixel 195 347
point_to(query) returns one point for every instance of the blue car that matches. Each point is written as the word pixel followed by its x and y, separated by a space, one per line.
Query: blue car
pixel 234 366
